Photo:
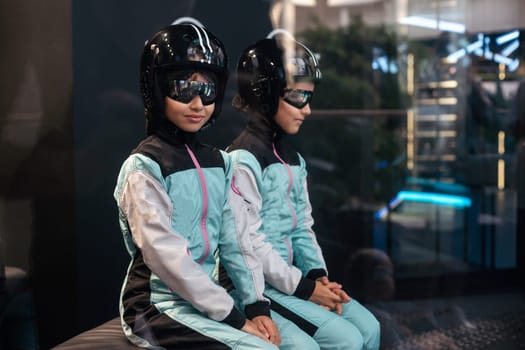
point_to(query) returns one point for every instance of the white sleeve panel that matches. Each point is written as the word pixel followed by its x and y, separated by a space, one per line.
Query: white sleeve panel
pixel 246 202
pixel 307 252
pixel 148 209
pixel 236 252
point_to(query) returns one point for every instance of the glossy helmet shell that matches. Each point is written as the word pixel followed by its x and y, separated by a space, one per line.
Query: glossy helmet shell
pixel 180 47
pixel 264 71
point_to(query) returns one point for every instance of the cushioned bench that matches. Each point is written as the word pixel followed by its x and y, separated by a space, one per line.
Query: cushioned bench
pixel 108 336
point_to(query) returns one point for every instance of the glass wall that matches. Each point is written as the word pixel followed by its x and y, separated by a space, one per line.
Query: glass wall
pixel 417 126
pixel 415 154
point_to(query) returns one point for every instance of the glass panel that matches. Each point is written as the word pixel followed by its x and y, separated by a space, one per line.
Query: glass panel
pixel 415 153
pixel 438 118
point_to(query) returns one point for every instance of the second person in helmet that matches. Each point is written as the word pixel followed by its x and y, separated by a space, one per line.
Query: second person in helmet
pixel 276 81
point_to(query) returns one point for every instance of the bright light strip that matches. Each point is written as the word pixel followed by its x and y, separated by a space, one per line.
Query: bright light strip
pixel 511 48
pixel 381 214
pixel 419 22
pixel 331 3
pixel 442 84
pixel 441 117
pixel 501 174
pixel 501 71
pixel 478 44
pixel 502 59
pixel 451 27
pixel 435 198
pixel 502 39
pixel 514 65
pixel 309 3
pixel 441 101
pixel 455 56
pixel 501 142
pixel 424 197
pixel 410 74
pixel 433 24
pixel 410 139
pixel 448 84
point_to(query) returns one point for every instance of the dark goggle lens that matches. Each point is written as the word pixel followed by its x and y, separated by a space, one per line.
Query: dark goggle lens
pixel 186 90
pixel 297 98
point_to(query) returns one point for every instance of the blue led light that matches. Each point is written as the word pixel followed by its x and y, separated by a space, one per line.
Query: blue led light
pixel 435 198
pixel 424 197
pixel 502 39
pixel 481 47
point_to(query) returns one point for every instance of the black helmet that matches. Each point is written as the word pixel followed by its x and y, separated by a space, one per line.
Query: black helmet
pixel 268 66
pixel 179 47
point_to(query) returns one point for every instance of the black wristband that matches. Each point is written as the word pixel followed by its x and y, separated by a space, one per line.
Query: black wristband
pixel 259 308
pixel 316 273
pixel 235 319
pixel 305 288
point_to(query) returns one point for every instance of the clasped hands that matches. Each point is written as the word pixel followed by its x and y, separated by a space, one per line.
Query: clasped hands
pixel 263 327
pixel 329 295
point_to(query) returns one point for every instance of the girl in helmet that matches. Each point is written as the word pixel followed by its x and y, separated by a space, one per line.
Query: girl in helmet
pixel 174 212
pixel 276 81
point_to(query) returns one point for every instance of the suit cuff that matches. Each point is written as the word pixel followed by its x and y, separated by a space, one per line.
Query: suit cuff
pixel 304 289
pixel 259 308
pixel 316 273
pixel 235 319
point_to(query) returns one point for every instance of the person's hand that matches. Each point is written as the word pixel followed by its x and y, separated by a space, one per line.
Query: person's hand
pixel 251 327
pixel 335 287
pixel 268 327
pixel 323 296
pixel 344 299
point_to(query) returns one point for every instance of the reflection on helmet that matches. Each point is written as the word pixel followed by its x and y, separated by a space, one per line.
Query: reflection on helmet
pixel 267 67
pixel 181 46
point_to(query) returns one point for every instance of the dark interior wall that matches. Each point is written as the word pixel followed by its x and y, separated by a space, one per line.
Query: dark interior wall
pixel 36 148
pixel 70 113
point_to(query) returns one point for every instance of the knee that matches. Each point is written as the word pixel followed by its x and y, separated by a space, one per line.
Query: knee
pixel 292 337
pixel 339 334
pixel 365 322
pixel 372 335
pixel 303 342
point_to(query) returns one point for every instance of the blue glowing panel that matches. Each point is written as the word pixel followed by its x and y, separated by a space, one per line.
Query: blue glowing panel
pixel 435 198
pixel 501 49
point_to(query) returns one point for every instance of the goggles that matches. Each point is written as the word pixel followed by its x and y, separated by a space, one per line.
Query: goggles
pixel 297 98
pixel 186 90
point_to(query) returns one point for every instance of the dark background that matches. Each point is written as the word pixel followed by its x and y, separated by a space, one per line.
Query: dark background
pixel 84 105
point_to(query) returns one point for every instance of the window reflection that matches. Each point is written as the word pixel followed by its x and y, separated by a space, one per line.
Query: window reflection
pixel 414 158
pixel 437 112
